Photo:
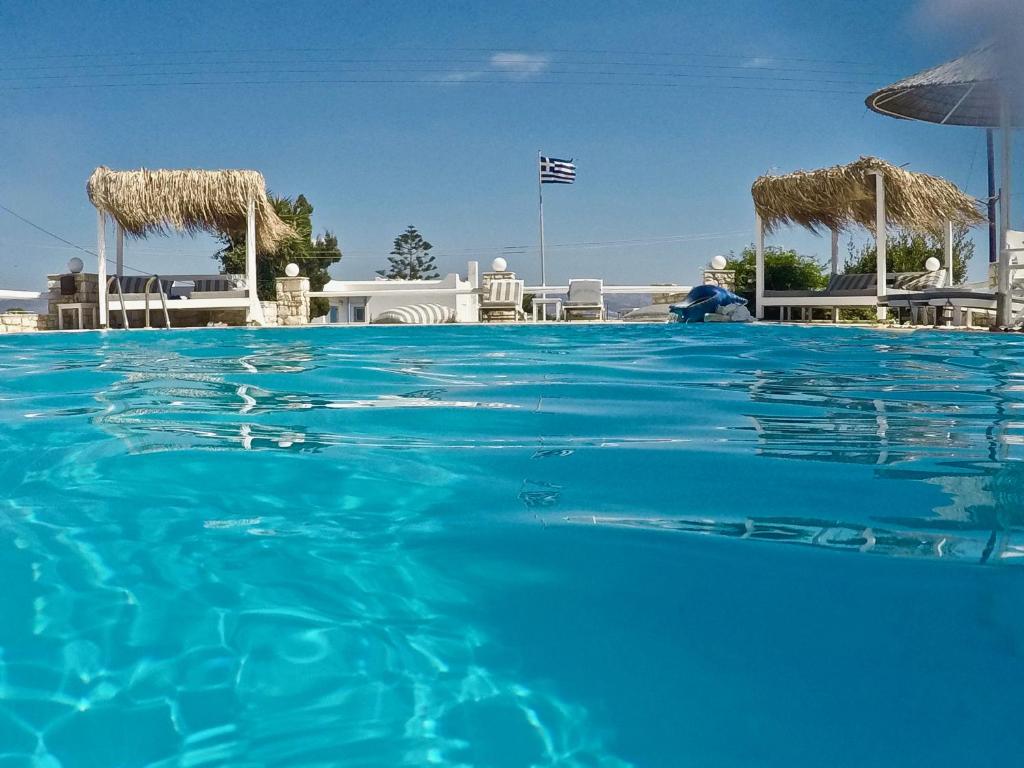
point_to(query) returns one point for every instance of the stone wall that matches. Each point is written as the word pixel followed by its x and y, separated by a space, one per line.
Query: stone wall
pixel 87 291
pixel 269 312
pixel 22 322
pixel 292 301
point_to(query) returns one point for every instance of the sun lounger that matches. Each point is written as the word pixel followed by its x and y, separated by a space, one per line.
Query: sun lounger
pixel 503 301
pixel 182 292
pixel 855 290
pixel 585 299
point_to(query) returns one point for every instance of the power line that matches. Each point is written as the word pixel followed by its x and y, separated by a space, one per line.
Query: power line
pixel 757 56
pixel 446 71
pixel 418 65
pixel 63 239
pixel 431 82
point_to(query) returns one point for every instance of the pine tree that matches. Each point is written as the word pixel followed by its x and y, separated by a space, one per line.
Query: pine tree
pixel 410 258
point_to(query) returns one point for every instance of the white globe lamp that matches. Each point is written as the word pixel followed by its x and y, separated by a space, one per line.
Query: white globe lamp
pixel 75 265
pixel 292 270
pixel 499 265
pixel 719 262
pixel 932 264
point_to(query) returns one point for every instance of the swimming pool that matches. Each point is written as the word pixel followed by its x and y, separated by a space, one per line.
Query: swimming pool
pixel 511 546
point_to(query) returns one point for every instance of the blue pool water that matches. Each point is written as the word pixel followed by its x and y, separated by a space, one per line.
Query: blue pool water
pixel 512 546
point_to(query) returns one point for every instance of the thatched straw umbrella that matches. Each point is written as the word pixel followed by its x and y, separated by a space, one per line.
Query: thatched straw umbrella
pixel 867 193
pixel 985 89
pixel 223 203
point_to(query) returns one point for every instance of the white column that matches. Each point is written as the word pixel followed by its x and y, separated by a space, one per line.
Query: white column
pixel 835 253
pixel 947 249
pixel 120 251
pixel 759 267
pixel 255 308
pixel 101 266
pixel 1004 311
pixel 880 241
pixel 473 278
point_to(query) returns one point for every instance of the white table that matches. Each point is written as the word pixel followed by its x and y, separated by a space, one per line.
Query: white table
pixel 78 308
pixel 544 303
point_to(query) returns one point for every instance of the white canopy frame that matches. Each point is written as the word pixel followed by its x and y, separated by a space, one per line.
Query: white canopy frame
pixel 881 263
pixel 254 314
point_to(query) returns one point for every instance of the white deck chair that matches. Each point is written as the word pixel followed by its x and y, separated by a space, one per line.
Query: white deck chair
pixel 585 299
pixel 1015 247
pixel 503 301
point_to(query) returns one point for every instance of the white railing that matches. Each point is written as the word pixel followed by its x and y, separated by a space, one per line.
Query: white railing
pixel 556 289
pixel 606 289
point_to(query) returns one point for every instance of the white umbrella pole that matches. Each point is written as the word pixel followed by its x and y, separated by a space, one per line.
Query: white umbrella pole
pixel 1004 304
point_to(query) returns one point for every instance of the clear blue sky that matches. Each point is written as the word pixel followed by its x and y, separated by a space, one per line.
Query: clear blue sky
pixel 755 86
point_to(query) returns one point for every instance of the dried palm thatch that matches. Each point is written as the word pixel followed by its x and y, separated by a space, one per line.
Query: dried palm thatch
pixel 147 202
pixel 844 195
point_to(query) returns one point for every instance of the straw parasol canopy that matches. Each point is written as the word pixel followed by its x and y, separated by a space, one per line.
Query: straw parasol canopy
pixel 843 196
pixel 147 202
pixel 966 91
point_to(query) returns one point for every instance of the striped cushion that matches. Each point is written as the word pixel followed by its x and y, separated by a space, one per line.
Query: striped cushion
pixel 204 284
pixel 417 314
pixel 137 284
pixel 505 292
pixel 919 281
pixel 852 282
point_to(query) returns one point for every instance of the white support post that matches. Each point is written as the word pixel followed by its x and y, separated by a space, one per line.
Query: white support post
pixel 255 308
pixel 101 266
pixel 759 267
pixel 947 249
pixel 473 278
pixel 835 253
pixel 120 252
pixel 880 242
pixel 1004 304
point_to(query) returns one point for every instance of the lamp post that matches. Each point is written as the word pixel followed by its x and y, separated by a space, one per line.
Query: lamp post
pixel 947 313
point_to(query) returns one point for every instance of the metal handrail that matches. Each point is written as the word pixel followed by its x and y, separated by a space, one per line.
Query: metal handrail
pixel 115 280
pixel 163 299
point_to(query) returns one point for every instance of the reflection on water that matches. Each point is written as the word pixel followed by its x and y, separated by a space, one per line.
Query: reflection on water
pixel 266 548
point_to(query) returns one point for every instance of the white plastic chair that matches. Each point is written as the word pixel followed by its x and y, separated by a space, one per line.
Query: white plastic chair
pixel 586 298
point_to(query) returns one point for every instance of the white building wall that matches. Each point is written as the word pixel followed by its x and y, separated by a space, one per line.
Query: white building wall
pixel 382 295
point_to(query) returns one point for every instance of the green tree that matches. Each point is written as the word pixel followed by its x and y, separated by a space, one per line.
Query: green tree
pixel 313 255
pixel 410 258
pixel 908 251
pixel 784 270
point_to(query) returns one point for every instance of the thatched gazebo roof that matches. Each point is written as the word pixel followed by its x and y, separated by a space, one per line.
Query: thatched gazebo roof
pixel 157 202
pixel 843 196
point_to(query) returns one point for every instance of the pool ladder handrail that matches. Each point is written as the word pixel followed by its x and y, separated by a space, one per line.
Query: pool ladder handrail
pixel 115 280
pixel 163 299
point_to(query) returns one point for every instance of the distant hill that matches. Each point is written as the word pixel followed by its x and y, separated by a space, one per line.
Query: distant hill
pixel 620 303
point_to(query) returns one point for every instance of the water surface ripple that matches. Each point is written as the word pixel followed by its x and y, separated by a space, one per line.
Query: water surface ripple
pixel 511 546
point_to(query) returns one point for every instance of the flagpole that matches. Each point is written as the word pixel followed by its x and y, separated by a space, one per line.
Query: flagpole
pixel 540 201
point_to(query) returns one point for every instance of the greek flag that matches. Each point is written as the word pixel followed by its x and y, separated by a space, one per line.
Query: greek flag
pixel 555 171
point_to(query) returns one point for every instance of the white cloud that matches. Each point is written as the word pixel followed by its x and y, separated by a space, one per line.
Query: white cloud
pixel 514 66
pixel 463 76
pixel 519 65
